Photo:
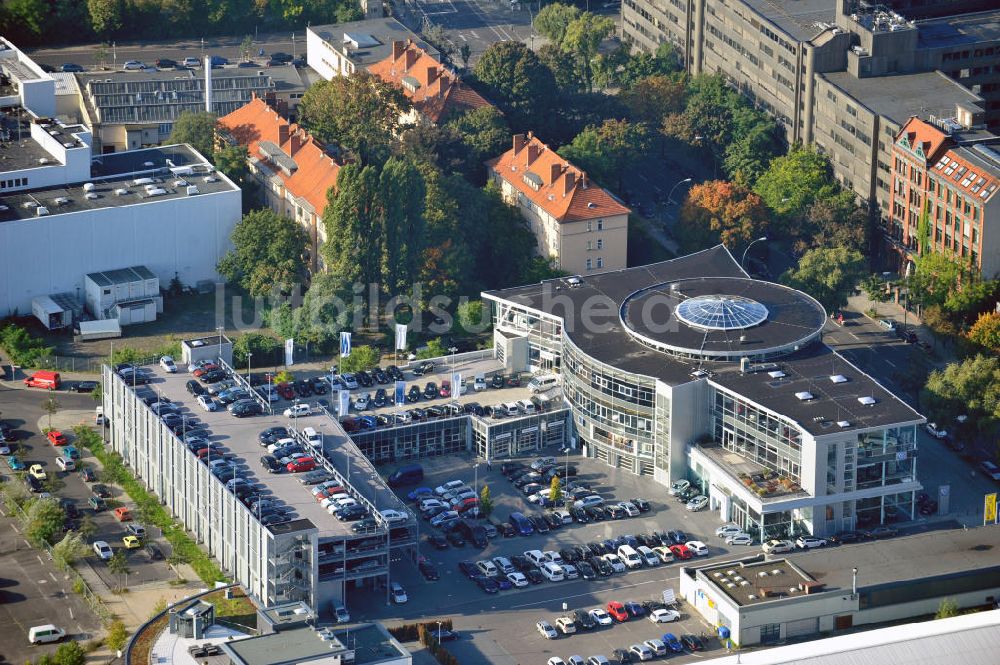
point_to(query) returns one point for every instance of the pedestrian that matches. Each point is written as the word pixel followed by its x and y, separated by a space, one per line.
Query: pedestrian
pixel 489 465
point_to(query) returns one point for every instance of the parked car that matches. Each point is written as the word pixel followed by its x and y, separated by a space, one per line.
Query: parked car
pixel 776 546
pixel 809 542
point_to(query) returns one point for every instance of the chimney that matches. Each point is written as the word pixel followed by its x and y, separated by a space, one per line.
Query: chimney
pixel 297 142
pixel 398 47
pixel 432 72
pixel 282 133
pixel 208 83
pixel 569 182
pixel 533 152
pixel 411 57
pixel 583 179
pixel 556 169
pixel 519 142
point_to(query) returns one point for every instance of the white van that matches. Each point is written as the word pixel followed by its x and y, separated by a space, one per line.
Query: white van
pixel 99 415
pixel 630 556
pixel 543 382
pixel 45 634
pixel 536 557
pixel 526 406
pixel 479 384
pixel 312 436
pixel 511 408
pixel 650 557
pixel 553 571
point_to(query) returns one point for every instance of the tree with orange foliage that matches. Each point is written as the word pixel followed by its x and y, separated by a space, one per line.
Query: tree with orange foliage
pixel 720 211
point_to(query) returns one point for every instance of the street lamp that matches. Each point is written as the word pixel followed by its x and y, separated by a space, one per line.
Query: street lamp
pixel 220 329
pixel 249 356
pixel 475 468
pixel 565 451
pixel 670 197
pixel 452 350
pixel 761 239
pixel 439 632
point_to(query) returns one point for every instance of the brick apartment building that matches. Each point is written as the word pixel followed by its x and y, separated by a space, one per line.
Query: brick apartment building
pixel 582 226
pixel 951 177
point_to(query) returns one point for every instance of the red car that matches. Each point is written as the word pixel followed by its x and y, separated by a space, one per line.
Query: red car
pixel 205 369
pixel 617 611
pixel 57 438
pixel 466 504
pixel 445 389
pixel 329 492
pixel 285 390
pixel 681 551
pixel 301 464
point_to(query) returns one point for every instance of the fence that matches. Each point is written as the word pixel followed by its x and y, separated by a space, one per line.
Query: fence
pixel 72 364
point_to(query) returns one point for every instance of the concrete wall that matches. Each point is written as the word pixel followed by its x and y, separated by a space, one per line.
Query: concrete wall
pixel 186 235
pixel 324 58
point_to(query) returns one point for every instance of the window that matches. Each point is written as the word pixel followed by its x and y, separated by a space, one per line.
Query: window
pixel 600 262
pixel 600 225
pixel 590 245
pixel 590 226
pixel 600 243
pixel 590 264
pixel 770 632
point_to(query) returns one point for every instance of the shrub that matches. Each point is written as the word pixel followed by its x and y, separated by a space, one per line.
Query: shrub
pixel 117 635
pixel 22 348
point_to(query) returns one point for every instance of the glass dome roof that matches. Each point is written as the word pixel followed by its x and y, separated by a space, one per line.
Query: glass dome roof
pixel 721 312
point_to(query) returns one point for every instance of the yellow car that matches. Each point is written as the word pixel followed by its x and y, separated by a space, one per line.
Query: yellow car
pixel 37 471
pixel 131 542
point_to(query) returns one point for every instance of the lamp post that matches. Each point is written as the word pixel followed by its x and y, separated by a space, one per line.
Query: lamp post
pixel 670 197
pixel 220 329
pixel 452 350
pixel 565 452
pixel 249 356
pixel 761 239
pixel 439 632
pixel 475 468
pixel 854 581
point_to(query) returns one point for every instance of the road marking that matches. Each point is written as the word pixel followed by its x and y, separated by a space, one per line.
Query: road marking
pixel 474 34
pixel 72 618
pixel 854 336
pixel 589 593
pixel 53 578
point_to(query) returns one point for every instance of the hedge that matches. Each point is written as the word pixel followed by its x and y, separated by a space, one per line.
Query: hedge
pixel 426 633
pixel 148 505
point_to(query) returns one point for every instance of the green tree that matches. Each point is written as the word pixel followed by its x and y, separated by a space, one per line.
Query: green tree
pixel 971 297
pixel 354 230
pixel 118 566
pixel 402 197
pixel 26 15
pixel 361 112
pixel 540 268
pixel 362 357
pixel 485 501
pixel 97 394
pixel 434 348
pixel 653 97
pixel 970 387
pixel 834 221
pixel 553 21
pixel 70 653
pixel 252 345
pixel 986 331
pixel 268 254
pixel 794 181
pixel 720 211
pixel 196 128
pixel 555 490
pixel 641 65
pixel 947 608
pixel 876 288
pixel 87 528
pixel 755 143
pixel 348 11
pixel 935 277
pixel 583 38
pixel 66 552
pixel 484 134
pixel 50 407
pixel 564 68
pixel 503 241
pixel 117 635
pixel 471 317
pixel 246 48
pixel 43 521
pixel 517 81
pixel 232 160
pixel 827 274
pixel 607 151
pixel 465 52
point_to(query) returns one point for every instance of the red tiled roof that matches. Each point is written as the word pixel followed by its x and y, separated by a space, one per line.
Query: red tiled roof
pixel 433 89
pixel 926 136
pixel 561 189
pixel 981 184
pixel 316 171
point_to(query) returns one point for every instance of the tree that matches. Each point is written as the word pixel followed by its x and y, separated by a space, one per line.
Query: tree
pixel 986 331
pixel 117 635
pixel 947 608
pixel 485 501
pixel 402 198
pixel 465 52
pixel 118 565
pixel 755 143
pixel 555 491
pixel 246 48
pixel 653 97
pixel 196 128
pixel 268 254
pixel 834 221
pixel 69 549
pixel 361 112
pixel 471 317
pixel 564 68
pixel 876 288
pixel 828 274
pixel 25 15
pixel 70 653
pixel 607 151
pixel 970 388
pixel 354 231
pixel 664 61
pixel 362 357
pixel 583 37
pixel 87 528
pixel 553 21
pixel 252 345
pixel 50 407
pixel 720 211
pixel 232 160
pixel 101 56
pixel 517 81
pixel 433 349
pixel 43 521
pixel 794 181
pixel 484 134
pixel 97 394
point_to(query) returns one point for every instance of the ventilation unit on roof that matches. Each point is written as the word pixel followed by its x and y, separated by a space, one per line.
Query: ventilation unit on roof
pixel 41 211
pixel 211 178
pixel 60 200
pixel 866 401
pixel 43 160
pixel 91 195
pixel 838 378
pixel 148 164
pixel 180 183
pixel 842 424
pixel 804 396
pixel 698 373
pixel 29 204
pixel 776 374
pixel 143 181
pixel 88 186
pixel 192 190
pixel 68 144
pixel 121 191
pixel 574 281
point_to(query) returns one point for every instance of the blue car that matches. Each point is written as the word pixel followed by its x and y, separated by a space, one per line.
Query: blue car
pixel 420 493
pixel 673 643
pixel 15 464
pixel 505 584
pixel 71 452
pixel 368 422
pixel 610 545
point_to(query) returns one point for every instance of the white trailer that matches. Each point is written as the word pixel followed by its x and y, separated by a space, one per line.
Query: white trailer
pixel 52 316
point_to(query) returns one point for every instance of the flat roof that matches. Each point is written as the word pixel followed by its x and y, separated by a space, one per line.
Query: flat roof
pixel 903 95
pixel 113 180
pixel 961 30
pixel 374 38
pixel 370 642
pixel 121 276
pixel 799 19
pixel 752 582
pixel 597 297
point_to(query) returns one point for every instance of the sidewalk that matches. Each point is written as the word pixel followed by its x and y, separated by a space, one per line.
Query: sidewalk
pixel 860 303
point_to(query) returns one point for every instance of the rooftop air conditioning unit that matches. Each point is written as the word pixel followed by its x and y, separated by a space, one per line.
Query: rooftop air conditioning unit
pixel 92 195
pixel 43 160
pixel 838 378
pixel 88 186
pixel 121 191
pixel 866 401
pixel 804 396
pixel 41 211
pixel 192 190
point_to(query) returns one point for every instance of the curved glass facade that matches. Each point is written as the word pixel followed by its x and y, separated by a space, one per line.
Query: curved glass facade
pixel 757 435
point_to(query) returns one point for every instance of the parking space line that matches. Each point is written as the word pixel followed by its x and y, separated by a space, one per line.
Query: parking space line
pixel 590 593
pixel 54 579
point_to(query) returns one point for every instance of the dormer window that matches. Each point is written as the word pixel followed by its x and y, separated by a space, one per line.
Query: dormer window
pixel 411 84
pixel 532 180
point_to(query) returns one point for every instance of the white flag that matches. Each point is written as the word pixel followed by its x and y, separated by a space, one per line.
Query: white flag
pixel 400 336
pixel 345 344
pixel 289 351
pixel 344 402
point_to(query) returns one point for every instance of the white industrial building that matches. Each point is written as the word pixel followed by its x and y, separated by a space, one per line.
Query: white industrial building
pixel 129 295
pixel 344 48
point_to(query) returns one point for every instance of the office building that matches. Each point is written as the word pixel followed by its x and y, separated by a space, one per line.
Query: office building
pixel 689 369
pixel 435 91
pixel 950 176
pixel 344 48
pixel 293 169
pixel 581 226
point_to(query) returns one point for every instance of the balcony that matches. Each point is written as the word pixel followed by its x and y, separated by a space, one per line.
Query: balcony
pixel 766 483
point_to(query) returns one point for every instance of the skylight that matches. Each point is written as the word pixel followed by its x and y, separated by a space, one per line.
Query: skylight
pixel 867 401
pixel 838 378
pixel 804 396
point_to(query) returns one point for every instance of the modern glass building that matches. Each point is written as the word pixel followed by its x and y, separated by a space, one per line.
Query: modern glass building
pixel 690 369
